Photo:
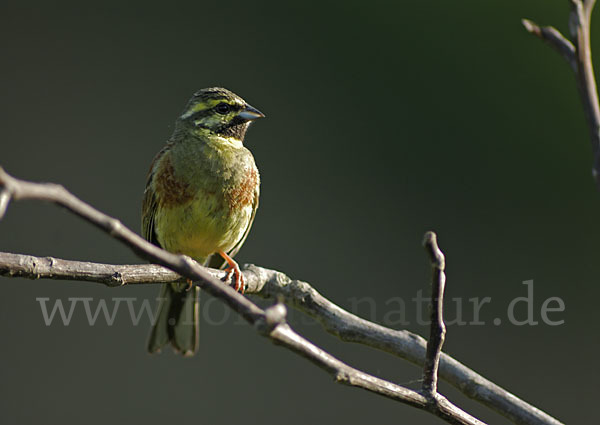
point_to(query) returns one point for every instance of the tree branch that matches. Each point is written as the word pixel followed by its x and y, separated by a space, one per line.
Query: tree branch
pixel 268 283
pixel 270 323
pixel 578 54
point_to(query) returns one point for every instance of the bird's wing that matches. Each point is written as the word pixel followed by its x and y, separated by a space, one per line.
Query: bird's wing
pixel 150 202
pixel 148 211
pixel 215 261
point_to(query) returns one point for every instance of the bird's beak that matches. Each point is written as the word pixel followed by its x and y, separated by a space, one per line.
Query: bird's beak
pixel 250 113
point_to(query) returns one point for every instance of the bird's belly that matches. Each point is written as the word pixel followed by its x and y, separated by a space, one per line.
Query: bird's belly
pixel 202 226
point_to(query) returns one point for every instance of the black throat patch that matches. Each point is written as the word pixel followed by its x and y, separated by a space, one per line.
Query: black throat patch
pixel 236 128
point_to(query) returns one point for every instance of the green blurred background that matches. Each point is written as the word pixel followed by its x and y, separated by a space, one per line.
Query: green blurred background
pixel 384 120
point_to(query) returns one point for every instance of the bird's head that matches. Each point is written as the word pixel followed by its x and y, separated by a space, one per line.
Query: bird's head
pixel 218 111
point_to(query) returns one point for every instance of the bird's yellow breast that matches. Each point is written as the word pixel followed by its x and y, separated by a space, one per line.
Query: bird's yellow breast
pixel 205 200
pixel 201 227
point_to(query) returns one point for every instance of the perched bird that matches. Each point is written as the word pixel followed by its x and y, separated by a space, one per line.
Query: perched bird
pixel 200 200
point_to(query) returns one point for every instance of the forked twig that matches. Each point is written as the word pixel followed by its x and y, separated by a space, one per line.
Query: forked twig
pixel 578 54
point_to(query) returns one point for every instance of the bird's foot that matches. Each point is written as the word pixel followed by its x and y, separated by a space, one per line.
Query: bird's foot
pixel 190 284
pixel 233 269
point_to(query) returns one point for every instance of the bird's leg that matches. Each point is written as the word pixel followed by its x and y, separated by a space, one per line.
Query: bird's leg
pixel 234 268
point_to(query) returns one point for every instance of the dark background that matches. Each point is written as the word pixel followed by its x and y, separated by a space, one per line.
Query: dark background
pixel 384 120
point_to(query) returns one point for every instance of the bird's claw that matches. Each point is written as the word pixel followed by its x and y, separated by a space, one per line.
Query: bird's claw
pixel 238 278
pixel 190 284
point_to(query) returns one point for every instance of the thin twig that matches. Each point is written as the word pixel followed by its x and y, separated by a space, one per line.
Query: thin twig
pixel 279 332
pixel 554 38
pixel 437 331
pixel 578 54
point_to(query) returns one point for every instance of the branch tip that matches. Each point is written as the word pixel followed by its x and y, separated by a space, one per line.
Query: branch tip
pixel 531 26
pixel 435 254
pixel 4 201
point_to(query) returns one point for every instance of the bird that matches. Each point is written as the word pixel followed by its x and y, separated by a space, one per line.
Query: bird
pixel 200 200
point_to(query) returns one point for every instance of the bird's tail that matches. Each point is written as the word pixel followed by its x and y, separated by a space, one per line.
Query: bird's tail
pixel 177 320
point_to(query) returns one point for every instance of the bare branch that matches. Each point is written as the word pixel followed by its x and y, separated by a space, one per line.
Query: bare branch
pixel 271 325
pixel 268 283
pixel 28 266
pixel 437 328
pixel 579 55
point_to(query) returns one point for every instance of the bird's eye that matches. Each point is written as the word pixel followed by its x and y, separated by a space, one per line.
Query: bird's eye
pixel 223 108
